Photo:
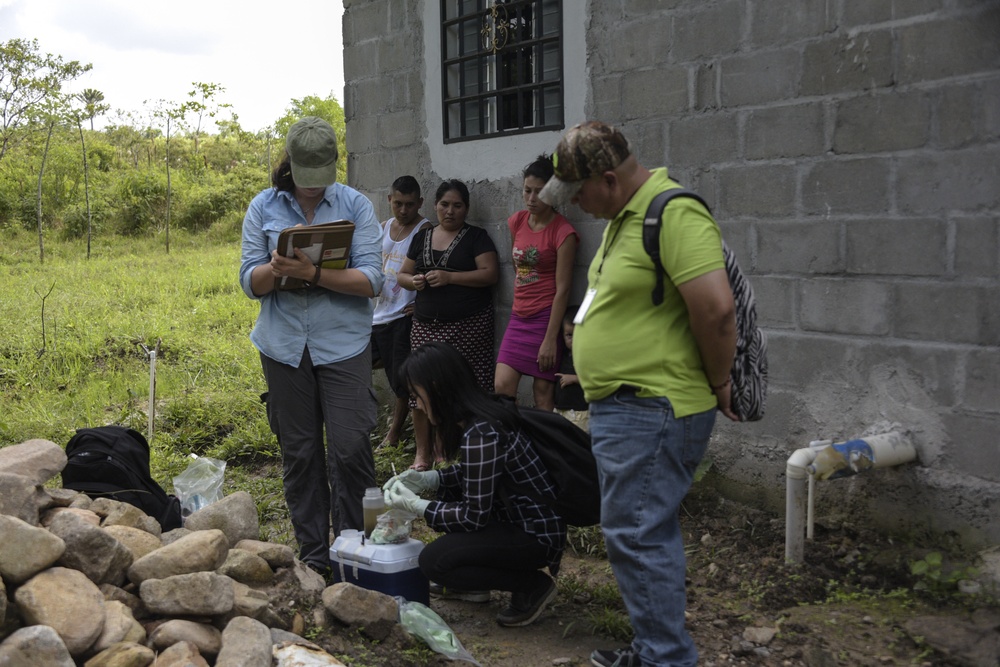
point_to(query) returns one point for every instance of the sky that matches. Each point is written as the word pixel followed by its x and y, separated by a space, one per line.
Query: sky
pixel 263 53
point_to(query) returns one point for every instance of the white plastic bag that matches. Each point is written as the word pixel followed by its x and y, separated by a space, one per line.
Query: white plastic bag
pixel 200 484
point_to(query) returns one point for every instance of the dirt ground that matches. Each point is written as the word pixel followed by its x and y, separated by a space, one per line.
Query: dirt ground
pixel 745 607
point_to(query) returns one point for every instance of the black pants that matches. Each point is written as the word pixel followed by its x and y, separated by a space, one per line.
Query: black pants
pixel 323 481
pixel 500 557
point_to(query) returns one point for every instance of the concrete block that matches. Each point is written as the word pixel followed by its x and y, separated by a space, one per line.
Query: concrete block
pixel 372 168
pixel 943 312
pixel 398 129
pixel 981 391
pixel 946 181
pixel 711 30
pixel 637 44
pixel 365 21
pixel 361 59
pixel 927 370
pixel 759 190
pixel 785 131
pixel 854 14
pixel 775 301
pixel 759 77
pixel 798 362
pixel 905 247
pixel 399 53
pixel 780 23
pixel 706 86
pixel 974 448
pixel 704 139
pixel 406 16
pixel 655 92
pixel 799 247
pixel 847 63
pixel 845 306
pixel 977 247
pixel 847 186
pixel 362 136
pixel 606 96
pixel 648 139
pixel 967 113
pixel 882 122
pixel 369 97
pixel 645 8
pixel 970 42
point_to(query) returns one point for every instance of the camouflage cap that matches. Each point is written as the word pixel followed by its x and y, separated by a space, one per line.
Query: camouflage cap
pixel 585 150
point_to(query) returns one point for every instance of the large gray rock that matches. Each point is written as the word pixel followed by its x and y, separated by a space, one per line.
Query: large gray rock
pixel 21 497
pixel 354 605
pixel 206 638
pixel 117 513
pixel 119 626
pixel 40 460
pixel 200 551
pixel 195 594
pixel 245 643
pixel 235 515
pixel 276 555
pixel 181 654
pixel 123 654
pixel 247 568
pixel 91 550
pixel 139 542
pixel 36 646
pixel 26 550
pixel 68 602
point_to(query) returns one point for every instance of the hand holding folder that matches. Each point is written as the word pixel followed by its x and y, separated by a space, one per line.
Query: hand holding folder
pixel 327 245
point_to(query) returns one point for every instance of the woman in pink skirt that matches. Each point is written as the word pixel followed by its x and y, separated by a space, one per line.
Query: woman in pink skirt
pixel 544 250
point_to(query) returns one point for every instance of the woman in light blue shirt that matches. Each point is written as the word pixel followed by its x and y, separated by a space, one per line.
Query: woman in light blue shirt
pixel 314 342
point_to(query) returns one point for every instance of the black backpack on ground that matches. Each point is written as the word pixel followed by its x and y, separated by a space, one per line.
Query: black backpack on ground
pixel 749 372
pixel 564 448
pixel 113 462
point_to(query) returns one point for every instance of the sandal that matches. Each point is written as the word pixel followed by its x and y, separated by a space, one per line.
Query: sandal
pixel 420 467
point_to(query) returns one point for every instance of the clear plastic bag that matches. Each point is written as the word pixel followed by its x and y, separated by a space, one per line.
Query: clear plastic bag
pixel 200 484
pixel 392 527
pixel 418 619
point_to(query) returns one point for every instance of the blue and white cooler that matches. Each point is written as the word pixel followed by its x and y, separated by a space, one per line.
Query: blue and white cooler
pixel 388 568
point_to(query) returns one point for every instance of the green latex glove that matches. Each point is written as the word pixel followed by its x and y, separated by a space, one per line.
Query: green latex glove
pixel 401 498
pixel 416 481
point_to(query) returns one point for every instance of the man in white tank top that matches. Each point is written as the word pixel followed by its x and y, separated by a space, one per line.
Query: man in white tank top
pixel 393 314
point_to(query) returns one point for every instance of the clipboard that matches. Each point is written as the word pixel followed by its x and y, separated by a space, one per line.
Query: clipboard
pixel 328 245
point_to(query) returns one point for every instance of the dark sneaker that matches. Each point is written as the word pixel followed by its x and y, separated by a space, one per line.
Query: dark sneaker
pixel 622 657
pixel 524 608
pixel 446 593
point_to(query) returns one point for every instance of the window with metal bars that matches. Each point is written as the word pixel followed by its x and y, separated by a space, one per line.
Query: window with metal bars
pixel 501 67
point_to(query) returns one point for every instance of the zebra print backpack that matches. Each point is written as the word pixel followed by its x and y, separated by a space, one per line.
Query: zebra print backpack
pixel 749 373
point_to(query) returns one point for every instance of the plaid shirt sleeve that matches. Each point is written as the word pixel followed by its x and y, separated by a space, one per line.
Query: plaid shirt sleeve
pixel 470 493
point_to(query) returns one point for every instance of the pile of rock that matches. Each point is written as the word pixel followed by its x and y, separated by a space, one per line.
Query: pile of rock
pixel 95 583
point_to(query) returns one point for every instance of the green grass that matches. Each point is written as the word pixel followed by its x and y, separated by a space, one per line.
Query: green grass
pixel 74 335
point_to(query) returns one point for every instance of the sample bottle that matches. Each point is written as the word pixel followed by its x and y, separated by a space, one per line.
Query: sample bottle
pixel 373 504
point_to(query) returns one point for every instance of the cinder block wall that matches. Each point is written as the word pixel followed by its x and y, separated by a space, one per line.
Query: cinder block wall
pixel 851 152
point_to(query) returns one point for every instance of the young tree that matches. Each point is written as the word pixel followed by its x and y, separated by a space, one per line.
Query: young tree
pixel 203 103
pixel 92 98
pixel 328 109
pixel 28 78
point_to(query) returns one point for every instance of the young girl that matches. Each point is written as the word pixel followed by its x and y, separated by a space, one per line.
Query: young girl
pixel 494 538
pixel 544 249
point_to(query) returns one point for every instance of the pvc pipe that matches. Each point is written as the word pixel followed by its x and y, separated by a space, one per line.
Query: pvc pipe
pixel 825 460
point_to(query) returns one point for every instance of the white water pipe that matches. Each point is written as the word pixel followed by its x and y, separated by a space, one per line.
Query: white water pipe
pixel 824 460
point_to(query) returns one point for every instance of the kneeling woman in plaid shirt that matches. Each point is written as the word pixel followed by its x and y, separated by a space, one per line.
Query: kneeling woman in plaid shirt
pixel 494 538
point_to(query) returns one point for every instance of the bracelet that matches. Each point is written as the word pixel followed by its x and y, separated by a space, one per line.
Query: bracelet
pixel 315 281
pixel 717 387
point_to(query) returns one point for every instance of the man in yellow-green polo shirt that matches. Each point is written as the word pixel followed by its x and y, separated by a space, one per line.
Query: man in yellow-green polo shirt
pixel 654 375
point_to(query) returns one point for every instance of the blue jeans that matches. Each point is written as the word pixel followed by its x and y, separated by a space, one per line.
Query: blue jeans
pixel 646 460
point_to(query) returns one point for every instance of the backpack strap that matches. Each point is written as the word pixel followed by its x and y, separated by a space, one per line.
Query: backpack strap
pixel 651 226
